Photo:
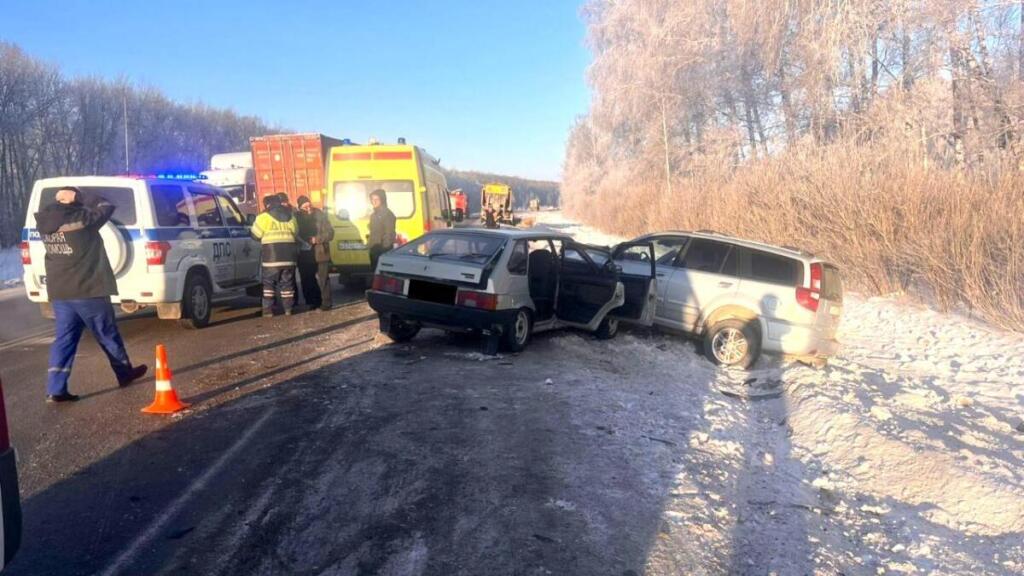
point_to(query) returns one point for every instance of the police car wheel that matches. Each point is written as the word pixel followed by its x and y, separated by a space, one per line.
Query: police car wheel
pixel 197 302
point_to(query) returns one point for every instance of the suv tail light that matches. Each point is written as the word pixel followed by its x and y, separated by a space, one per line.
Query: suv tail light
pixel 26 254
pixel 383 283
pixel 810 297
pixel 474 299
pixel 156 252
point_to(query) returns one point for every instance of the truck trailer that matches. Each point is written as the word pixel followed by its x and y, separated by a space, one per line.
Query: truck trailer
pixel 296 165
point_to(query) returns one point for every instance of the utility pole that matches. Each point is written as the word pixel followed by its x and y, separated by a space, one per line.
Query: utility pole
pixel 124 102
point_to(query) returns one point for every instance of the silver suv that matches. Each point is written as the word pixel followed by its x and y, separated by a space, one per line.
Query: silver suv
pixel 743 297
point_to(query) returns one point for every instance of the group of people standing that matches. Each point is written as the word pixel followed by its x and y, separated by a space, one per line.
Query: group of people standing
pixel 291 239
pixel 301 239
pixel 81 280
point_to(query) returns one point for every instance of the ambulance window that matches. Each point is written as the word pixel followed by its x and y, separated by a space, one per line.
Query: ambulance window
pixel 170 206
pixel 123 200
pixel 205 205
pixel 354 197
pixel 231 214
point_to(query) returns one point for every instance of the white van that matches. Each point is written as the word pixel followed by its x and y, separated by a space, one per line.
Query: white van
pixel 173 243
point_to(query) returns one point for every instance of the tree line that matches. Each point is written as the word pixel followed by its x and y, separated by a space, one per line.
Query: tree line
pixel 51 125
pixel 886 134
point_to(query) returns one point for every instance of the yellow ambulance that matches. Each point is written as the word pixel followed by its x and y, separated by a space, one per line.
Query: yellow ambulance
pixel 413 183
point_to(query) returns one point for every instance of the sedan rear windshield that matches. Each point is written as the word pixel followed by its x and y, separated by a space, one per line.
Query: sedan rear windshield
pixel 123 200
pixel 468 248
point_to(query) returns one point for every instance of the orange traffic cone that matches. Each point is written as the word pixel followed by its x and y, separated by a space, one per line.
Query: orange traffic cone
pixel 166 401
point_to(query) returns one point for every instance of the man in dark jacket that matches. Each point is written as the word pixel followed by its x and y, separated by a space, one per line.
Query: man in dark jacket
pixel 382 227
pixel 315 258
pixel 278 233
pixel 80 283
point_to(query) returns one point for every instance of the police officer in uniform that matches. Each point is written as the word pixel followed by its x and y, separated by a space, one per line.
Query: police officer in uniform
pixel 278 233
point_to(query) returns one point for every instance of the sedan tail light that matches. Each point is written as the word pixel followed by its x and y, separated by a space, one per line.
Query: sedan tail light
pixel 26 254
pixel 474 299
pixel 383 283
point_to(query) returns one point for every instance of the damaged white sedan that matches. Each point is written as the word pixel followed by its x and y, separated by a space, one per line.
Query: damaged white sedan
pixel 507 285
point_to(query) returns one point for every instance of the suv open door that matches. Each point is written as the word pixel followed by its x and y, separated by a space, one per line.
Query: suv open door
pixel 591 286
pixel 636 267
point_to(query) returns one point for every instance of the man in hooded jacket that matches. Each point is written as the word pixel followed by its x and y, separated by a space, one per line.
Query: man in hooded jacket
pixel 80 283
pixel 316 232
pixel 278 233
pixel 382 227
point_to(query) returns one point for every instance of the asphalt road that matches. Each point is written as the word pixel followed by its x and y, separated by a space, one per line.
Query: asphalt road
pixel 316 447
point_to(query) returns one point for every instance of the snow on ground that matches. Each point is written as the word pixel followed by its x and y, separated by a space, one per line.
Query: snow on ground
pixel 901 456
pixel 10 267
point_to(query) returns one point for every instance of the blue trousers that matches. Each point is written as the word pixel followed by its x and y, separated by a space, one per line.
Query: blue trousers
pixel 74 316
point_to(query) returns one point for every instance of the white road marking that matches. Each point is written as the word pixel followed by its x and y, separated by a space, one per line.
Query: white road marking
pixel 128 556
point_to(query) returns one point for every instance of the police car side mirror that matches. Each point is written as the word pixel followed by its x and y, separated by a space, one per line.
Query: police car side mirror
pixel 250 219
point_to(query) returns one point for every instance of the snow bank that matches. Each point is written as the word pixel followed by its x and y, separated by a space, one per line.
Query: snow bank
pixel 903 455
pixel 10 267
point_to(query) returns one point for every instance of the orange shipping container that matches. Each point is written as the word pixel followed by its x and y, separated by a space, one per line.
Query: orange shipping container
pixel 292 163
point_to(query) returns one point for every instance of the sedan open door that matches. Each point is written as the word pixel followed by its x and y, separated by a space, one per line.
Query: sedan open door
pixel 592 286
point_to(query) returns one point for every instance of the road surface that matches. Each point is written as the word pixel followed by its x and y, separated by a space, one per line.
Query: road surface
pixel 315 447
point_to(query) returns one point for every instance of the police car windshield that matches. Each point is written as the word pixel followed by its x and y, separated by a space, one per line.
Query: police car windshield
pixel 464 248
pixel 123 200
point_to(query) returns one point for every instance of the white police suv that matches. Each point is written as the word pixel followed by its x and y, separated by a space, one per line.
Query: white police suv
pixel 174 243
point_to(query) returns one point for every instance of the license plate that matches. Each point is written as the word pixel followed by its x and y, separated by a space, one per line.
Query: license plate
pixel 351 246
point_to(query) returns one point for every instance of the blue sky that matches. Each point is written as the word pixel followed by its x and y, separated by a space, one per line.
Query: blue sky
pixel 484 85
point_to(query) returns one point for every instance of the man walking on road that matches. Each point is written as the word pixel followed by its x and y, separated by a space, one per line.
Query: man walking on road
pixel 80 283
pixel 278 233
pixel 314 262
pixel 382 227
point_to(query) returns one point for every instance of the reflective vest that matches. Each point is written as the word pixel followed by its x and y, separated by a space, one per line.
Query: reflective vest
pixel 278 240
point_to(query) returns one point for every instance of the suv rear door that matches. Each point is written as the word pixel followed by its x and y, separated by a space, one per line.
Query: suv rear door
pixel 698 280
pixel 771 280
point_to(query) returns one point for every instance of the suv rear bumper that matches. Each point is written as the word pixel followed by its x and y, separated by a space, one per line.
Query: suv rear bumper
pixel 438 315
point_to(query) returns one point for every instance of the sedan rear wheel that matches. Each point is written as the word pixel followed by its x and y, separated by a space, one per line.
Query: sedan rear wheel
pixel 402 331
pixel 517 333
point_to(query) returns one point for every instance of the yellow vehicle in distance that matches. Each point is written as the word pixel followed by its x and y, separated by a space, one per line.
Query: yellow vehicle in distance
pixel 497 198
pixel 415 187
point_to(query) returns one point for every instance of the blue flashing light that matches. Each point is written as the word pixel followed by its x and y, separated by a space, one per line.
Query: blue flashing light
pixel 181 176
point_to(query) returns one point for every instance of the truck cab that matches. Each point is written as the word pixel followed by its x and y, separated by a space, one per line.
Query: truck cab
pixel 233 173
